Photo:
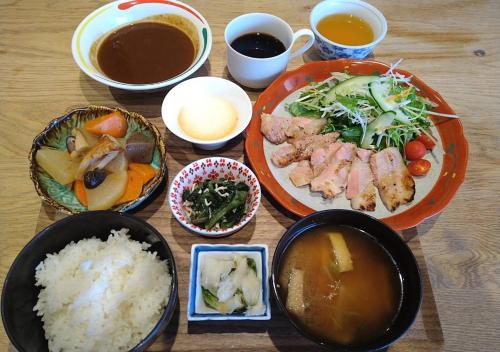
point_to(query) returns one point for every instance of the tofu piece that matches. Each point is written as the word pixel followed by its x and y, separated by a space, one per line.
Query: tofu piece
pixel 295 298
pixel 341 252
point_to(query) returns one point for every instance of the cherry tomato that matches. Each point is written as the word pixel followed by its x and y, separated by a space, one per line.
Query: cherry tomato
pixel 415 150
pixel 426 140
pixel 419 167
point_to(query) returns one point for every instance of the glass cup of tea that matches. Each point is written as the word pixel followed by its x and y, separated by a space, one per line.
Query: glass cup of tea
pixel 346 28
pixel 259 46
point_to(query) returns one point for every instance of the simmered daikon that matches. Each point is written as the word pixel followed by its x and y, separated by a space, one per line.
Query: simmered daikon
pixel 58 164
pixel 108 192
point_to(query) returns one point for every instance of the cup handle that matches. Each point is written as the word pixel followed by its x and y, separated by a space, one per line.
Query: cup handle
pixel 306 46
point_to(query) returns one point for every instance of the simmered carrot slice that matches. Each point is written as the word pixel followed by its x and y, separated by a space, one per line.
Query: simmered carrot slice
pixel 134 187
pixel 113 124
pixel 146 170
pixel 79 189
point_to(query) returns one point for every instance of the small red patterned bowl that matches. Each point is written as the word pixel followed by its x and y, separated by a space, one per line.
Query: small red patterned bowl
pixel 213 168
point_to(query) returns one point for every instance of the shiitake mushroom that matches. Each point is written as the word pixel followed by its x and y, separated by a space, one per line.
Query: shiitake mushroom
pixel 94 178
pixel 71 143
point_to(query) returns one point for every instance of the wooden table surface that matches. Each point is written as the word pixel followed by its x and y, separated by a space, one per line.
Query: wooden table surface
pixel 452 45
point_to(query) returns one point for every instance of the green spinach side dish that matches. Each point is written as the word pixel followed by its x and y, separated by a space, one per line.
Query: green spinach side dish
pixel 216 203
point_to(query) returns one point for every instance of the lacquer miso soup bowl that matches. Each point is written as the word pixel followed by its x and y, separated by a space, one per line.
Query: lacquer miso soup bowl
pixel 91 35
pixel 307 245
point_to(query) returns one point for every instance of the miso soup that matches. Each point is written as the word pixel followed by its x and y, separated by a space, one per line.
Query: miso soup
pixel 339 285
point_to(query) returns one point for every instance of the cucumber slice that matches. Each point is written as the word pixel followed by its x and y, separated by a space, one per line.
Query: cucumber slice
pixel 376 126
pixel 380 93
pixel 356 86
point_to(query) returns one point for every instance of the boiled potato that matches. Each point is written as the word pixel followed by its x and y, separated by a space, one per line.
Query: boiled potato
pixel 119 163
pixel 108 192
pixel 58 164
pixel 341 252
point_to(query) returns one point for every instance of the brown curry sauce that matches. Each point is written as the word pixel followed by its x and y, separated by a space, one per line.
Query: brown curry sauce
pixel 145 52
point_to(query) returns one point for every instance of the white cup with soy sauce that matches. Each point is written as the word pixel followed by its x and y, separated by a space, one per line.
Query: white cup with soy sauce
pixel 259 47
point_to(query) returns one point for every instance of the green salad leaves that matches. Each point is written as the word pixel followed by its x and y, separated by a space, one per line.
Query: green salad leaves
pixel 374 112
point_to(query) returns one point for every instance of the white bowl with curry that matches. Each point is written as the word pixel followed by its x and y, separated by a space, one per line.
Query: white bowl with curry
pixel 142 45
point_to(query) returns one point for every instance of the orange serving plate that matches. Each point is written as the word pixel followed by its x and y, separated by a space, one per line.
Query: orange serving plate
pixel 450 130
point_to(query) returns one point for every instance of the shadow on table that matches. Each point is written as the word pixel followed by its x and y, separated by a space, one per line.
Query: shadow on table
pixel 282 333
pixel 419 230
pixel 154 202
pixel 428 317
pixel 313 55
pixel 277 211
pixel 166 340
pixel 185 238
pixel 184 152
pixel 273 207
pixel 253 93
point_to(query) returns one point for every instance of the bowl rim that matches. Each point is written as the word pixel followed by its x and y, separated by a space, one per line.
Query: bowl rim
pixel 370 7
pixel 75 49
pixel 169 120
pixel 222 232
pixel 296 227
pixel 153 184
pixel 173 297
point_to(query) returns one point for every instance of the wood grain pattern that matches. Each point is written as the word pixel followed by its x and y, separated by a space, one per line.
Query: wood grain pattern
pixel 439 41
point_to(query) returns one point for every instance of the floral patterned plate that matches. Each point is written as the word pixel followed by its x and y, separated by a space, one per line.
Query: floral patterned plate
pixel 211 169
pixel 54 135
pixel 433 192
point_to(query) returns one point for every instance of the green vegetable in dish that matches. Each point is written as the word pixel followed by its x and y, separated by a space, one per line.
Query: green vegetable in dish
pixel 209 298
pixel 252 265
pixel 375 111
pixel 230 284
pixel 237 304
pixel 216 203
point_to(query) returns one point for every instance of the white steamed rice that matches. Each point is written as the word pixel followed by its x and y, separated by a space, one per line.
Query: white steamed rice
pixel 101 296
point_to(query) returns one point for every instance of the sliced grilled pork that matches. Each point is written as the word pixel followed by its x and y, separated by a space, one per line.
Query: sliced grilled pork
pixel 394 182
pixel 302 174
pixel 303 126
pixel 360 187
pixel 301 149
pixel 307 144
pixel 333 179
pixel 274 128
pixel 285 155
pixel 321 155
pixel 278 129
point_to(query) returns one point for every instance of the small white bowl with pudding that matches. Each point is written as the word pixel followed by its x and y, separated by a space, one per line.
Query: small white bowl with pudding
pixel 207 111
